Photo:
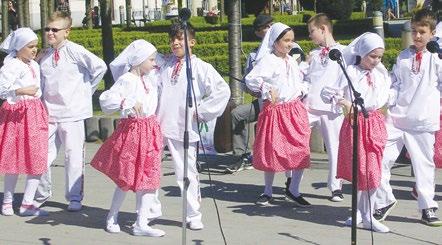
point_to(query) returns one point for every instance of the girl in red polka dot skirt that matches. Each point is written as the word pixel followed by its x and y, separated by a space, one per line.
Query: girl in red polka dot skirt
pixel 131 157
pixel 370 78
pixel 23 121
pixel 283 132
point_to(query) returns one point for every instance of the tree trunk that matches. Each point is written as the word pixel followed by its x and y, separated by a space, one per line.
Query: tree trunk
pixel 107 39
pixel 180 4
pixel 128 13
pixel 271 7
pixel 5 24
pixel 88 13
pixel 43 21
pixel 20 13
pixel 27 15
pixel 223 129
pixel 51 7
pixel 221 12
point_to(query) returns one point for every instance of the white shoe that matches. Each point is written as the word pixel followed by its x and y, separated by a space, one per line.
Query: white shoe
pixel 196 225
pixel 358 220
pixel 75 206
pixel 31 210
pixel 375 226
pixel 7 209
pixel 112 225
pixel 147 231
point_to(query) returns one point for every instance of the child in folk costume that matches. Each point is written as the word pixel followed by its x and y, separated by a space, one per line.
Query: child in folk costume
pixel 131 157
pixel 325 72
pixel 413 119
pixel 70 75
pixel 23 121
pixel 283 133
pixel 371 79
pixel 438 143
pixel 211 94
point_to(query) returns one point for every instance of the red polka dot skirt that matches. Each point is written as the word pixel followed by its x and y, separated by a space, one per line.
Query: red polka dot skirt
pixel 131 156
pixel 282 138
pixel 372 136
pixel 23 137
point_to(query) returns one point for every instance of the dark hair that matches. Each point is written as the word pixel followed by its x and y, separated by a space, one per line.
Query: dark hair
pixel 424 17
pixel 283 33
pixel 358 60
pixel 177 29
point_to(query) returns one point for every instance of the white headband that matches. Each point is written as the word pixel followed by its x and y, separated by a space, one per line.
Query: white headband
pixel 133 55
pixel 269 39
pixel 362 46
pixel 17 39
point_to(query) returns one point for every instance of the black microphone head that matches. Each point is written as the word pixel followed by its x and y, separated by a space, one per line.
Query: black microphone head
pixel 299 51
pixel 433 46
pixel 184 14
pixel 334 54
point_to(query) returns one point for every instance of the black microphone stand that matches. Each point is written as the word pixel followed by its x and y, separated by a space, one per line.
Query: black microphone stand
pixel 358 101
pixel 184 15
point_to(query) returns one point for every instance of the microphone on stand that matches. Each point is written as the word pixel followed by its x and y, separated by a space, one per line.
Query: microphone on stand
pixel 184 14
pixel 335 55
pixel 434 47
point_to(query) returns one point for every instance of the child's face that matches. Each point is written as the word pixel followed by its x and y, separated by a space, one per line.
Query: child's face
pixel 421 35
pixel 372 59
pixel 28 52
pixel 148 64
pixel 285 44
pixel 261 31
pixel 177 45
pixel 56 32
pixel 316 34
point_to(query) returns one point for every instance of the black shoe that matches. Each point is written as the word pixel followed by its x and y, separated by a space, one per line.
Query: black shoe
pixel 382 213
pixel 264 200
pixel 238 166
pixel 287 183
pixel 429 217
pixel 247 160
pixel 337 196
pixel 299 201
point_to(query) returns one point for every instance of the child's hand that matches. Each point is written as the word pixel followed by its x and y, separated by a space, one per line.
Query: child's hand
pixel 274 96
pixel 29 90
pixel 345 103
pixel 138 108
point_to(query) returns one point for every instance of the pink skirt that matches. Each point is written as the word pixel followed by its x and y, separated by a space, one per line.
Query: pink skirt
pixel 438 147
pixel 282 138
pixel 131 156
pixel 372 136
pixel 23 137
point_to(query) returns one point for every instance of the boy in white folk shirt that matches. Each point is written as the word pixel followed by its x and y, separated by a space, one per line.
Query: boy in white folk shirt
pixel 69 75
pixel 212 94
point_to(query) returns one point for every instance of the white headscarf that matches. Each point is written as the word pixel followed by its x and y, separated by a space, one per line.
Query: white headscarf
pixel 269 39
pixel 134 54
pixel 16 40
pixel 362 46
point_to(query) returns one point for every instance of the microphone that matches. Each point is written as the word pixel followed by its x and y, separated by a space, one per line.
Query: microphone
pixel 434 47
pixel 184 14
pixel 298 51
pixel 335 55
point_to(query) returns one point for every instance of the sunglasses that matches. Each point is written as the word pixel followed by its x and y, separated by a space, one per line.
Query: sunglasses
pixel 54 30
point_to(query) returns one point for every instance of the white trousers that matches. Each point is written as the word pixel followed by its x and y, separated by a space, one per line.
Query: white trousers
pixel 330 126
pixel 72 136
pixel 176 149
pixel 420 146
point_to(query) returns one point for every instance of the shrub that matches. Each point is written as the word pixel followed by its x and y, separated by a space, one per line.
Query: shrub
pixel 335 9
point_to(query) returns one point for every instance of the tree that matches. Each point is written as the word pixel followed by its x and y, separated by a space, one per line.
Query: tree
pixel 5 26
pixel 88 14
pixel 335 9
pixel 128 13
pixel 20 13
pixel 27 15
pixel 107 39
pixel 43 21
pixel 51 7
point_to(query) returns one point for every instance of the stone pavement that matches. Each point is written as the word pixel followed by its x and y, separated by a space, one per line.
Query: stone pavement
pixel 242 221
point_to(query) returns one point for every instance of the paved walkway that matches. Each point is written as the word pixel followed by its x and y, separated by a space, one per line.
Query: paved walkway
pixel 242 221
